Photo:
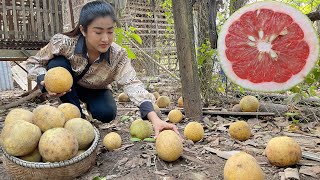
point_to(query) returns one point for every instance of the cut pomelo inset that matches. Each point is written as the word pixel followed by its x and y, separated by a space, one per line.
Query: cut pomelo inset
pixel 268 46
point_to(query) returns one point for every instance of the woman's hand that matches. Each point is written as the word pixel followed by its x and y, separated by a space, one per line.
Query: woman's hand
pixel 160 125
pixel 51 94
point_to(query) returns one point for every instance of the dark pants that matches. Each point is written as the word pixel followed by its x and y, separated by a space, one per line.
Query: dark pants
pixel 100 102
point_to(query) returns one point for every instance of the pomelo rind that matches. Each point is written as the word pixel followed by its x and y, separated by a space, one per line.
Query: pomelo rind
pixel 305 24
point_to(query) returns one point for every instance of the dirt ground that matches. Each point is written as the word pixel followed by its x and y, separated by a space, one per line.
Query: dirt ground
pixel 137 160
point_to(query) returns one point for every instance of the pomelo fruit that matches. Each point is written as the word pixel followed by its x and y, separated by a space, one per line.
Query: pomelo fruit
pixel 242 166
pixel 58 80
pixel 175 116
pixel 58 144
pixel 34 156
pixel 283 151
pixel 47 117
pixel 236 108
pixel 83 131
pixel 240 130
pixel 19 114
pixel 123 97
pixel 163 101
pixel 112 141
pixel 156 109
pixel 169 146
pixel 180 102
pixel 156 95
pixel 194 131
pixel 20 138
pixel 70 111
pixel 140 129
pixel 268 46
pixel 249 104
pixel 80 152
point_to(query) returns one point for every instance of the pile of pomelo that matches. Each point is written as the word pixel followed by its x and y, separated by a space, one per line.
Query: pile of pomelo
pixel 48 134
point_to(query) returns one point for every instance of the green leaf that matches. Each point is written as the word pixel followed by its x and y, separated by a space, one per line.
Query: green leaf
pixel 149 139
pixel 99 178
pixel 137 38
pixel 125 118
pixel 131 54
pixel 134 139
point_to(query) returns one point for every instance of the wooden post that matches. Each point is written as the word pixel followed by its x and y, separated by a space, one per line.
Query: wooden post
pixel 183 23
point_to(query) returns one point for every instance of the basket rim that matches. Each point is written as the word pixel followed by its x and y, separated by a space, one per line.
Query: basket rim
pixel 44 165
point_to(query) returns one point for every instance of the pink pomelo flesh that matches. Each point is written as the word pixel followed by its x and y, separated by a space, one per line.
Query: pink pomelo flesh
pixel 268 46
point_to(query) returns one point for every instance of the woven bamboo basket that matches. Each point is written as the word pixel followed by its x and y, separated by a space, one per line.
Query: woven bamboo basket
pixel 68 169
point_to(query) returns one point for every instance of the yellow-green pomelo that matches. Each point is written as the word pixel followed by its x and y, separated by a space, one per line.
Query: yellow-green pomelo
pixel 140 129
pixel 69 111
pixel 112 141
pixel 123 97
pixel 283 151
pixel 156 95
pixel 47 117
pixel 19 114
pixel 194 131
pixel 58 144
pixel 34 156
pixel 240 130
pixel 242 166
pixel 169 146
pixel 20 138
pixel 175 116
pixel 58 80
pixel 249 104
pixel 82 130
pixel 163 101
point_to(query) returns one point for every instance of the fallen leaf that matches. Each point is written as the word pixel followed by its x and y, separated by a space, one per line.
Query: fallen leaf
pixel 291 173
pixel 313 171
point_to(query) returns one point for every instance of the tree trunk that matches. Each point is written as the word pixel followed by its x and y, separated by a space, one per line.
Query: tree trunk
pixel 182 14
pixel 236 4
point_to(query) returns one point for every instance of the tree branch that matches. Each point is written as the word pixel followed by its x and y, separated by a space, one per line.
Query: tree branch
pixel 314 16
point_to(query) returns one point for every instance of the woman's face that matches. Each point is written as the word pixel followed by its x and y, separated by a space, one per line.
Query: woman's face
pixel 100 34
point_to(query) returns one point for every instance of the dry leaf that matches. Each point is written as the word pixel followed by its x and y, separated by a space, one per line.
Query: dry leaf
pixel 291 173
pixel 313 171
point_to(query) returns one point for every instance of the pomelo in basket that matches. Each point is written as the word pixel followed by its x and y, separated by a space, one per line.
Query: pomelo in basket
pixel 268 46
pixel 58 144
pixel 19 114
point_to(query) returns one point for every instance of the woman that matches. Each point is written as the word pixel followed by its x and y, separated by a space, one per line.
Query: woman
pixel 94 60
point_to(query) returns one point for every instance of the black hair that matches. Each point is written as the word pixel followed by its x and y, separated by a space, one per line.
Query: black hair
pixel 90 12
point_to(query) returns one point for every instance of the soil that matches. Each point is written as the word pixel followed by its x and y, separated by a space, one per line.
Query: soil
pixel 137 160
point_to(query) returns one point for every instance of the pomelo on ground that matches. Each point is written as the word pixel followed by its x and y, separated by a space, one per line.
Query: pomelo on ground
pixel 20 138
pixel 123 97
pixel 19 114
pixel 156 95
pixel 268 46
pixel 194 131
pixel 169 146
pixel 112 141
pixel 156 109
pixel 58 144
pixel 70 111
pixel 242 166
pixel 180 102
pixel 163 101
pixel 283 151
pixel 249 104
pixel 140 129
pixel 58 80
pixel 175 116
pixel 240 130
pixel 83 131
pixel 47 117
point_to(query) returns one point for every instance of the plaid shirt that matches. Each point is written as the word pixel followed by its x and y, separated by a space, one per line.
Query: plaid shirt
pixel 113 65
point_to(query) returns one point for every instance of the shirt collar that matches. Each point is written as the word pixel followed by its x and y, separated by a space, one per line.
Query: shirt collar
pixel 81 48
